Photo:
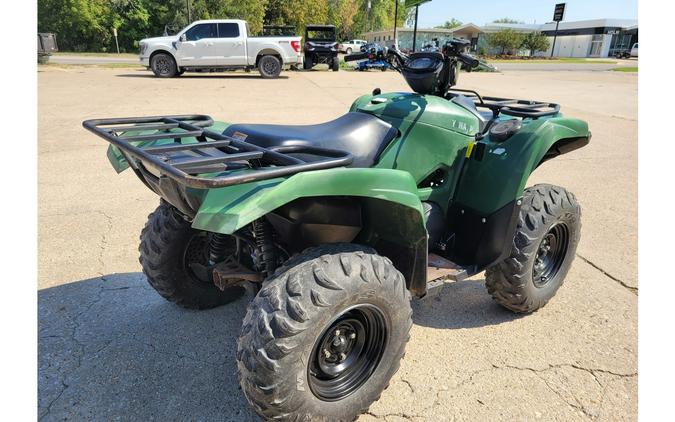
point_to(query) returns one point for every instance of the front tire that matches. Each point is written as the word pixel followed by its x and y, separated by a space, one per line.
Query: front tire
pixel 168 246
pixel 269 67
pixel 324 335
pixel 163 65
pixel 544 246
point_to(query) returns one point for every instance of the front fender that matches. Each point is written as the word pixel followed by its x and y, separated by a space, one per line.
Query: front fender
pixel 228 209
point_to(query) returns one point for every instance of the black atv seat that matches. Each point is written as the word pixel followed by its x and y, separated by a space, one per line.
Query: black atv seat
pixel 363 135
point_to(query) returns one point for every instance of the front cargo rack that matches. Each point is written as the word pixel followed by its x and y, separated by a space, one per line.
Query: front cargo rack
pixel 214 159
pixel 508 106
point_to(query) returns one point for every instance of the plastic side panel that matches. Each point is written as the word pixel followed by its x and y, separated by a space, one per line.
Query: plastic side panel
pixel 226 210
pixel 496 173
pixel 119 163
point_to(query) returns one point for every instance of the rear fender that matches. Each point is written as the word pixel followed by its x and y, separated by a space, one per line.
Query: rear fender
pixel 496 172
pixel 391 212
pixel 484 211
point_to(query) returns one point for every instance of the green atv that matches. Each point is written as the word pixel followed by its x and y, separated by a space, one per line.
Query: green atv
pixel 336 225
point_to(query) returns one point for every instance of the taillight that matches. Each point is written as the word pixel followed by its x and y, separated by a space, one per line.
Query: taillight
pixel 296 46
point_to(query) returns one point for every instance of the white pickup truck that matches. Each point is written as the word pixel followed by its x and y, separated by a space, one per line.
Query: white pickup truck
pixel 216 45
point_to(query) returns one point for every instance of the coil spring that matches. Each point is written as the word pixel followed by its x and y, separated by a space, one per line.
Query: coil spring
pixel 218 248
pixel 266 250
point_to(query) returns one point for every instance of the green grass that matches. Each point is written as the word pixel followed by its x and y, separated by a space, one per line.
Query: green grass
pixel 627 69
pixel 101 65
pixel 553 61
pixel 78 53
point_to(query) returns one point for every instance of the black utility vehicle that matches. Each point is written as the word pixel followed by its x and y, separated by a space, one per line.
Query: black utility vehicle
pixel 321 47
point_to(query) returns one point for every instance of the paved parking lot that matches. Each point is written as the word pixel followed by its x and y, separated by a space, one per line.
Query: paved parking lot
pixel 111 349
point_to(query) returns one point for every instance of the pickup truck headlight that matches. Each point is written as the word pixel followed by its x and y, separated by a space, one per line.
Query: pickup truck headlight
pixel 143 46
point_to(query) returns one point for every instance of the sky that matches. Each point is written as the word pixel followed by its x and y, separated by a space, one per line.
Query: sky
pixel 481 12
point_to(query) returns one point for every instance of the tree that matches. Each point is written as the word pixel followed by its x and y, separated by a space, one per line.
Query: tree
pixel 506 20
pixel 535 41
pixel 80 24
pixel 452 23
pixel 506 39
pixel 342 14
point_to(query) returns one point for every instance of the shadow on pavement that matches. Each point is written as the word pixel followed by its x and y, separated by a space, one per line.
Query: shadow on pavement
pixel 462 304
pixel 112 348
pixel 215 75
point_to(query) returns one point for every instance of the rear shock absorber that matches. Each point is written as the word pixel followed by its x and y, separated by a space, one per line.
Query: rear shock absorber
pixel 220 247
pixel 265 248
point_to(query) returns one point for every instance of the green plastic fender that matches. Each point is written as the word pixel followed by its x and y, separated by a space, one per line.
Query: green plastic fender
pixel 493 177
pixel 225 210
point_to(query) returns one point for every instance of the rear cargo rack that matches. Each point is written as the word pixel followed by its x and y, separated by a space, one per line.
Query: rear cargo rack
pixel 214 160
pixel 508 106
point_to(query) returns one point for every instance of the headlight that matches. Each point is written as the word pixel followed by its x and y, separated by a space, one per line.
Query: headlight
pixel 143 47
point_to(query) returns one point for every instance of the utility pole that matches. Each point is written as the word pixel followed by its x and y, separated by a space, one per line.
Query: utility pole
pixel 117 44
pixel 189 15
pixel 395 22
pixel 417 9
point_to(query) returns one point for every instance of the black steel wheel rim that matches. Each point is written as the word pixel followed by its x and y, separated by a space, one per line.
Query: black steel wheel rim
pixel 550 254
pixel 347 353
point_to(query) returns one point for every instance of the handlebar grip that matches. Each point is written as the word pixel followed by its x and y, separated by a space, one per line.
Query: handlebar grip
pixel 468 60
pixel 355 56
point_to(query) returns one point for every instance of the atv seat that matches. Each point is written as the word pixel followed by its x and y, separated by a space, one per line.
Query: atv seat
pixel 363 135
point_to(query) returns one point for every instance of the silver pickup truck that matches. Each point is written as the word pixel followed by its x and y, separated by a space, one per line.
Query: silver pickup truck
pixel 217 45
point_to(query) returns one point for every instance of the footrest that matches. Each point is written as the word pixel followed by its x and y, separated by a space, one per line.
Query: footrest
pixel 439 267
pixel 441 270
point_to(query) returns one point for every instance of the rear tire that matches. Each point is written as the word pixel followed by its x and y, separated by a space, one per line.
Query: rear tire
pixel 307 63
pixel 269 67
pixel 314 303
pixel 349 50
pixel 544 246
pixel 168 245
pixel 163 65
pixel 335 64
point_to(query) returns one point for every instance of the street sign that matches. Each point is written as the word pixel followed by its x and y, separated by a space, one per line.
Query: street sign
pixel 559 12
pixel 413 3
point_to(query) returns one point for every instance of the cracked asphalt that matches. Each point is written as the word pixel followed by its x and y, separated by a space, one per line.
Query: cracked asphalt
pixel 111 349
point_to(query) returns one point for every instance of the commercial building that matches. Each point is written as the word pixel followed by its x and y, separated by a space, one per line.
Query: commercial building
pixel 587 38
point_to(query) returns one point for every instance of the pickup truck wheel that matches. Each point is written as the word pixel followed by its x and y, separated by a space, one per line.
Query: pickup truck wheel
pixel 168 246
pixel 335 64
pixel 325 334
pixel 544 246
pixel 163 65
pixel 269 66
pixel 349 50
